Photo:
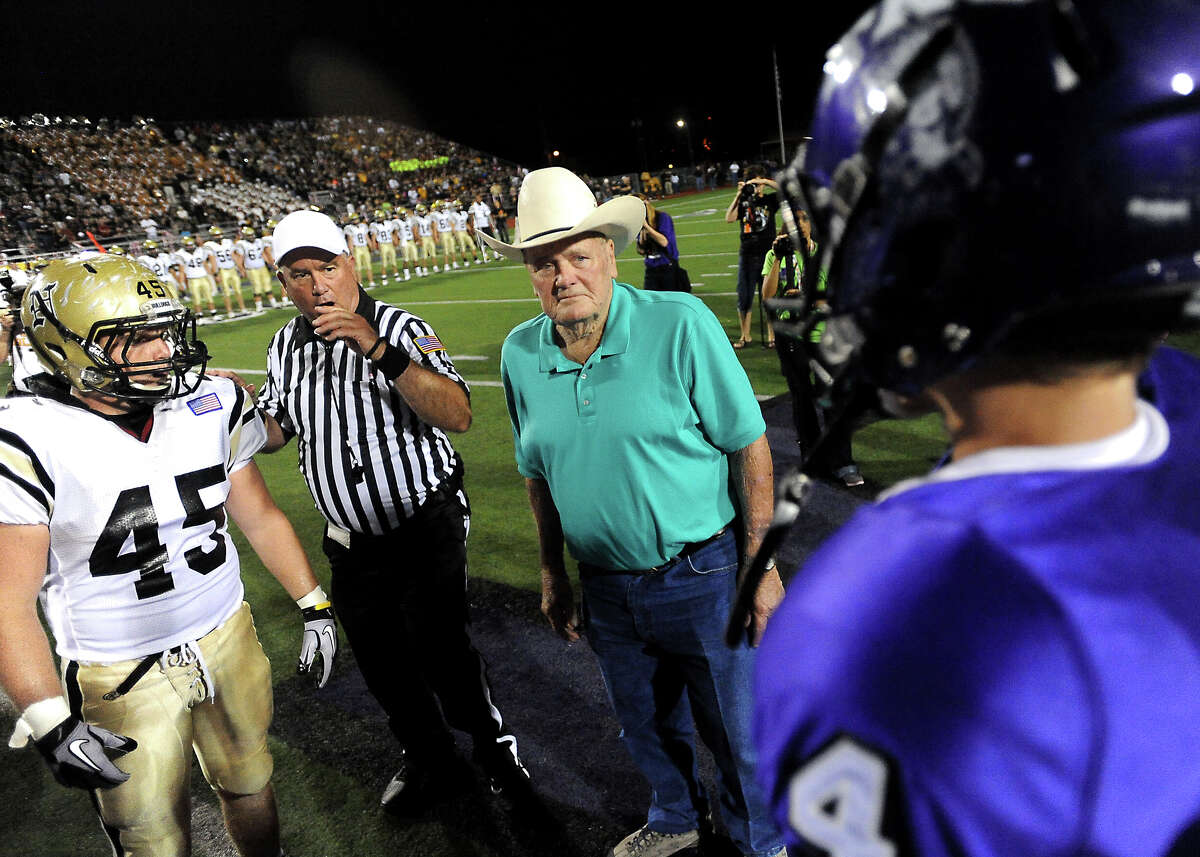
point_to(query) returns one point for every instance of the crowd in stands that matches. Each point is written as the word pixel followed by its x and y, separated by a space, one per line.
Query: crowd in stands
pixel 65 179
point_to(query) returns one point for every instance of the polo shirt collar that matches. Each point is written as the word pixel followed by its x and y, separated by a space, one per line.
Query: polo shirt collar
pixel 614 340
pixel 304 329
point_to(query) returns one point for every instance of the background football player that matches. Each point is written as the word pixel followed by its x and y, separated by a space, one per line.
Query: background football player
pixel 383 231
pixel 425 237
pixel 197 267
pixel 358 242
pixel 113 501
pixel 462 232
pixel 1003 657
pixel 229 280
pixel 248 253
pixel 403 225
pixel 443 235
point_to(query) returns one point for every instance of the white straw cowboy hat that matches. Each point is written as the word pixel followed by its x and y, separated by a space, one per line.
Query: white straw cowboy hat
pixel 554 204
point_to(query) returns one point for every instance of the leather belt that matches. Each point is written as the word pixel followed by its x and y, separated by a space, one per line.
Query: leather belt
pixel 587 569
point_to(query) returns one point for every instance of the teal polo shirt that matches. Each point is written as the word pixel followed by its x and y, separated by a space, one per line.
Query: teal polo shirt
pixel 633 443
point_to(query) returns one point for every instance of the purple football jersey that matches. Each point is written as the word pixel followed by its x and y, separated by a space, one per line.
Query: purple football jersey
pixel 1003 658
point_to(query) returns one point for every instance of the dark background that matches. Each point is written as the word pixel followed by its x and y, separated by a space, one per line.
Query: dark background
pixel 601 84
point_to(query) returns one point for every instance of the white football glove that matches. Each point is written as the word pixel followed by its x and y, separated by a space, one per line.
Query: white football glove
pixel 78 754
pixel 320 640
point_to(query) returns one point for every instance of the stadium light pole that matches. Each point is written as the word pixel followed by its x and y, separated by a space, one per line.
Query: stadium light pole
pixel 687 130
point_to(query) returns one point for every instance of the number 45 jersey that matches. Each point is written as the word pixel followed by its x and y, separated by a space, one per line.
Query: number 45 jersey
pixel 1002 658
pixel 140 557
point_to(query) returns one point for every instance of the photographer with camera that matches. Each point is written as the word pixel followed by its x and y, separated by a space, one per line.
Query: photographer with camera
pixel 15 349
pixel 784 273
pixel 755 211
pixel 656 242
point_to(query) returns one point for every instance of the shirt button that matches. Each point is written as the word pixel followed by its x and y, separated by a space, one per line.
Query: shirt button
pixel 587 401
pixel 583 375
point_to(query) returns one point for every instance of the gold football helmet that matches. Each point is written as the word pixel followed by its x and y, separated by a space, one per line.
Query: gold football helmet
pixel 82 316
pixel 421 209
pixel 248 232
pixel 149 245
pixel 117 250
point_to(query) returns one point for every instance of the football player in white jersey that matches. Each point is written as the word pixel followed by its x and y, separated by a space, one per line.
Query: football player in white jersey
pixel 481 216
pixel 444 234
pixel 197 267
pixel 229 280
pixel 402 223
pixel 425 236
pixel 248 254
pixel 383 231
pixel 462 232
pixel 358 242
pixel 113 506
pixel 151 258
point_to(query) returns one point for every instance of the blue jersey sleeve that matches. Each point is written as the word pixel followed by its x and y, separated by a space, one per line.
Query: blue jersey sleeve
pixel 893 695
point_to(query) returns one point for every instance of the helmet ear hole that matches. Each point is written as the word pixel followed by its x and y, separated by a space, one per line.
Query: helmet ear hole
pixel 56 352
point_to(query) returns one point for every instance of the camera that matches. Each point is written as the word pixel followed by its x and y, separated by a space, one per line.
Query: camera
pixel 748 190
pixel 783 246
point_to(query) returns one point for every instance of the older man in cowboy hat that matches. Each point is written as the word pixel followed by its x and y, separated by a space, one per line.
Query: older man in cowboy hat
pixel 643 449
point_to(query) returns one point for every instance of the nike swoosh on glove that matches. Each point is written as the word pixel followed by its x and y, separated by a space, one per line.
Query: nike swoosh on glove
pixel 78 754
pixel 320 640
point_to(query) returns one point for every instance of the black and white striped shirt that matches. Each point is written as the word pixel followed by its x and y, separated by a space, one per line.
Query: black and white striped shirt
pixel 369 461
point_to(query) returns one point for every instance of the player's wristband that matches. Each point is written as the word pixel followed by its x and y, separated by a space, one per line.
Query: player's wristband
pixel 393 362
pixel 317 598
pixel 37 720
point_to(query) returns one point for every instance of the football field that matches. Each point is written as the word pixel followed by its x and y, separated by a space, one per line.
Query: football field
pixel 332 751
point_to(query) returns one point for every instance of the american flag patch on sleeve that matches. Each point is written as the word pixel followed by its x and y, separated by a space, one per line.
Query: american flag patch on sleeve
pixel 204 404
pixel 429 344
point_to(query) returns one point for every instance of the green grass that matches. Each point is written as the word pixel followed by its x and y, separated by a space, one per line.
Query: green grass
pixel 324 810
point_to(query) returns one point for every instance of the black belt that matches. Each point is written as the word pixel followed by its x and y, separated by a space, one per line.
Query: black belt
pixel 586 569
pixel 140 670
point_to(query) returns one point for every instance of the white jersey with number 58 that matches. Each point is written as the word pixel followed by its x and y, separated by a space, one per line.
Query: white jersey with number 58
pixel 140 556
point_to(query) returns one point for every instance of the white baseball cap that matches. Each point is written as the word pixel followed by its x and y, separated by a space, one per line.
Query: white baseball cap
pixel 306 228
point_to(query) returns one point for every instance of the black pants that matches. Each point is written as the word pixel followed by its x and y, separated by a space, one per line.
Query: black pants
pixel 807 415
pixel 402 600
pixel 661 279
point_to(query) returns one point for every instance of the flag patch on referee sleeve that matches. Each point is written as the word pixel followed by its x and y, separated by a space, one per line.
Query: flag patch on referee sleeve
pixel 429 344
pixel 204 404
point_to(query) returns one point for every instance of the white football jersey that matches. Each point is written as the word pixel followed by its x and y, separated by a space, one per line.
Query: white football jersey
pixel 357 233
pixel 424 225
pixel 460 221
pixel 223 250
pixel 443 219
pixel 252 253
pixel 153 263
pixel 482 215
pixel 403 229
pixel 193 261
pixel 140 556
pixel 383 231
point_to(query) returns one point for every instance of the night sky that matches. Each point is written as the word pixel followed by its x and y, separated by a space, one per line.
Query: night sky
pixel 605 92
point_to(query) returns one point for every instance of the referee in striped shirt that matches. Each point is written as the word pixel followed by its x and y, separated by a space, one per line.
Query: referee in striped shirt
pixel 370 392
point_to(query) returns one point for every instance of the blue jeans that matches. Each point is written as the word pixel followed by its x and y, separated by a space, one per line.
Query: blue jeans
pixel 749 277
pixel 660 642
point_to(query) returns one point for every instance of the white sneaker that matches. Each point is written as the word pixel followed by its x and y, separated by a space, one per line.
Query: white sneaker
pixel 478 261
pixel 406 275
pixel 435 269
pixel 645 842
pixel 456 264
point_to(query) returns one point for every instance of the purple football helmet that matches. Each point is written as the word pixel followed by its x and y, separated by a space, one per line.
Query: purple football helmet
pixel 980 165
